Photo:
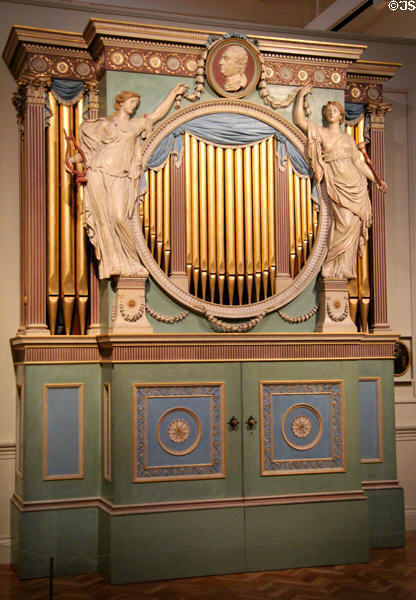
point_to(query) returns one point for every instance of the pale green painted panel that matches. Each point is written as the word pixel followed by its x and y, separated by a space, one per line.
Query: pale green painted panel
pixel 69 536
pixel 386 518
pixel 281 537
pixel 257 485
pixel 125 375
pixel 385 470
pixel 35 378
pixel 152 88
pixel 177 544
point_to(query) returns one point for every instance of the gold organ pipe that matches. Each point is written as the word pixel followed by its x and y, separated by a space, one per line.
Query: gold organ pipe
pixel 264 217
pixel 81 258
pixel 141 215
pixel 309 208
pixel 292 237
pixel 195 212
pixel 248 215
pixel 315 221
pixel 212 251
pixel 349 129
pixel 364 294
pixel 220 225
pixel 255 171
pixel 239 222
pixel 359 132
pixel 159 215
pixel 152 210
pixel 67 225
pixel 298 220
pixel 146 209
pixel 188 207
pixel 52 133
pixel 203 225
pixel 271 211
pixel 166 216
pixel 229 222
pixel 304 217
pixel 353 297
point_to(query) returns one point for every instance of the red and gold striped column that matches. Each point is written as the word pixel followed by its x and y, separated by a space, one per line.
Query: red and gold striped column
pixel 33 211
pixel 94 295
pixel 378 276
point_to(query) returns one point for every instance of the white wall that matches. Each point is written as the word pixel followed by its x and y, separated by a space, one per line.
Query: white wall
pixel 401 224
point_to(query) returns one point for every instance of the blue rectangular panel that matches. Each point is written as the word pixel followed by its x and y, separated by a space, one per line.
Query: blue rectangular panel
pixel 63 419
pixel 302 427
pixel 179 431
pixel 370 420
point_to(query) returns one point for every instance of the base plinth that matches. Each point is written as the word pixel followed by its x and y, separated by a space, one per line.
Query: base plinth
pixel 334 310
pixel 129 309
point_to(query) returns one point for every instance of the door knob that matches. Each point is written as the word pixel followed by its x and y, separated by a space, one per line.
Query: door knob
pixel 233 422
pixel 251 421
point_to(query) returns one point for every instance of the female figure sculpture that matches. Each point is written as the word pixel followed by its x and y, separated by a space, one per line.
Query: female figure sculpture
pixel 112 149
pixel 334 156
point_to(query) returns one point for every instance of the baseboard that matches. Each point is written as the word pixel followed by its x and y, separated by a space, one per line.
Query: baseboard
pixel 5 543
pixel 410 518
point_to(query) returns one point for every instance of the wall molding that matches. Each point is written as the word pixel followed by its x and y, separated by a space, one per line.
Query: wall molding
pixel 7 452
pixel 207 504
pixel 406 433
pixel 384 484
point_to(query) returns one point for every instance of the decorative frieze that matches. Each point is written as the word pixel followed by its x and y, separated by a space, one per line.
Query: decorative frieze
pixel 212 347
pixel 152 60
pixel 61 65
pixel 298 73
pixel 361 92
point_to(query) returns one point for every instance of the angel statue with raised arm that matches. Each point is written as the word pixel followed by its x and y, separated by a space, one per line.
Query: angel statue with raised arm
pixel 112 148
pixel 335 157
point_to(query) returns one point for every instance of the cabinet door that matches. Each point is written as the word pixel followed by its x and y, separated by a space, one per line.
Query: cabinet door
pixel 299 409
pixel 301 507
pixel 181 438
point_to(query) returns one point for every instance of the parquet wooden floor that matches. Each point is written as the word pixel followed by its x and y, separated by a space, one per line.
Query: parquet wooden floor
pixel 390 575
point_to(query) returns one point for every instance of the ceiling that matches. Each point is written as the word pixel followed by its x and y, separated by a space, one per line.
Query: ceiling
pixel 368 17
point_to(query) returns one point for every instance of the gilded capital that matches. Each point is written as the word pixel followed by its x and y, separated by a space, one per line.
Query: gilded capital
pixel 92 89
pixel 377 112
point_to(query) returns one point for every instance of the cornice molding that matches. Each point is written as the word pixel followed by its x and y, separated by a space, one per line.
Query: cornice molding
pixel 204 347
pixel 99 33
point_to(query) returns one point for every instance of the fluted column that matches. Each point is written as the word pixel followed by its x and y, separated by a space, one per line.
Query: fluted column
pixel 30 104
pixel 94 326
pixel 378 276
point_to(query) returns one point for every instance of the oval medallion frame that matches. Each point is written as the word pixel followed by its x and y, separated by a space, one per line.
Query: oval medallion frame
pixel 315 259
pixel 249 77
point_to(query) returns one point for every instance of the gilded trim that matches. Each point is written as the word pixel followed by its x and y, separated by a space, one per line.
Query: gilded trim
pixel 271 466
pixel 193 445
pixel 107 431
pixel 80 474
pixel 215 469
pixel 380 458
pixel 20 411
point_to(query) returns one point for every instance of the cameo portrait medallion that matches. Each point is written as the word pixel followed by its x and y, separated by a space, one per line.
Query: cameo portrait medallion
pixel 233 68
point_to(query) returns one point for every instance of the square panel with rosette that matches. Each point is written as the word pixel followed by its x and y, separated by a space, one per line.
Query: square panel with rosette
pixel 302 427
pixel 178 431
